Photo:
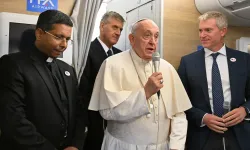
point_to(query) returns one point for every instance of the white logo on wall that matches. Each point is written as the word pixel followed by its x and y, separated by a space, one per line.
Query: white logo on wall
pixel 44 5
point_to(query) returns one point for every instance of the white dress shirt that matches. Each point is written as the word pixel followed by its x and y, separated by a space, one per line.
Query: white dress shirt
pixel 223 68
pixel 224 74
pixel 104 46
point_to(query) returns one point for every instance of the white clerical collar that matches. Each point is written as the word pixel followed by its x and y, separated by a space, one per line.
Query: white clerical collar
pixel 222 51
pixel 138 59
pixel 104 46
pixel 49 59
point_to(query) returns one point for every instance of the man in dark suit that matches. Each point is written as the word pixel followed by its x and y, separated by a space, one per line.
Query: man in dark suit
pixel 111 26
pixel 39 104
pixel 214 77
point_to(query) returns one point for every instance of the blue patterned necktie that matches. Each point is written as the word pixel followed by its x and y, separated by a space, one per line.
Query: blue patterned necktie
pixel 217 90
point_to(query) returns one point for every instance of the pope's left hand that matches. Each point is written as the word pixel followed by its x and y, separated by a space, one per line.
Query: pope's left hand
pixel 71 148
pixel 234 117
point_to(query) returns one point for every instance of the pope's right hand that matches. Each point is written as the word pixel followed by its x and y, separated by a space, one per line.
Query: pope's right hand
pixel 153 84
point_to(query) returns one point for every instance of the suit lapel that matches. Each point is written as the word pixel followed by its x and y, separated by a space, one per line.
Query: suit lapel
pixel 200 67
pixel 232 69
pixel 44 72
pixel 99 49
pixel 67 79
pixel 115 50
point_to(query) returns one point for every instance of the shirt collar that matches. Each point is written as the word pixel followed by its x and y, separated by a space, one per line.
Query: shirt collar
pixel 40 55
pixel 49 60
pixel 138 59
pixel 222 51
pixel 104 46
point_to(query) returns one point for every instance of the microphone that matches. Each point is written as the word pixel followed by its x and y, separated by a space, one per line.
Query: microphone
pixel 156 63
pixel 226 107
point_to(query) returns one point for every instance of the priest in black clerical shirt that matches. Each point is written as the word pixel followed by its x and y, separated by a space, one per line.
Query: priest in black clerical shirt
pixel 39 104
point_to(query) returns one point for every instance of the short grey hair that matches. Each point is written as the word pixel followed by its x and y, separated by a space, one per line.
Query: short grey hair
pixel 221 19
pixel 112 14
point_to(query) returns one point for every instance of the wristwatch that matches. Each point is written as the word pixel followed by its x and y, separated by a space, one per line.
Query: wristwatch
pixel 247 111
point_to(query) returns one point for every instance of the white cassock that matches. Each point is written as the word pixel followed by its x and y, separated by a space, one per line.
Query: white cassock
pixel 135 123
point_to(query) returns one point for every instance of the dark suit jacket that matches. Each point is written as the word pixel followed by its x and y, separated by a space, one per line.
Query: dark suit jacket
pixel 193 75
pixel 31 111
pixel 95 125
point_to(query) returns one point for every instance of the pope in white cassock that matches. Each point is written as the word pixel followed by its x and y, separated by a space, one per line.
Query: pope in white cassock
pixel 125 95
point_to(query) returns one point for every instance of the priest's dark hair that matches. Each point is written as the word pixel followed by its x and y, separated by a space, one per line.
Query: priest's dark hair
pixel 49 17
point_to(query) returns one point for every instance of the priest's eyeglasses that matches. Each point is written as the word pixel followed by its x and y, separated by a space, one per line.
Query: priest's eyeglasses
pixel 60 39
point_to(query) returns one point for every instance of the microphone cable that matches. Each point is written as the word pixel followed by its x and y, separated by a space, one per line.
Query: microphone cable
pixel 158 129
